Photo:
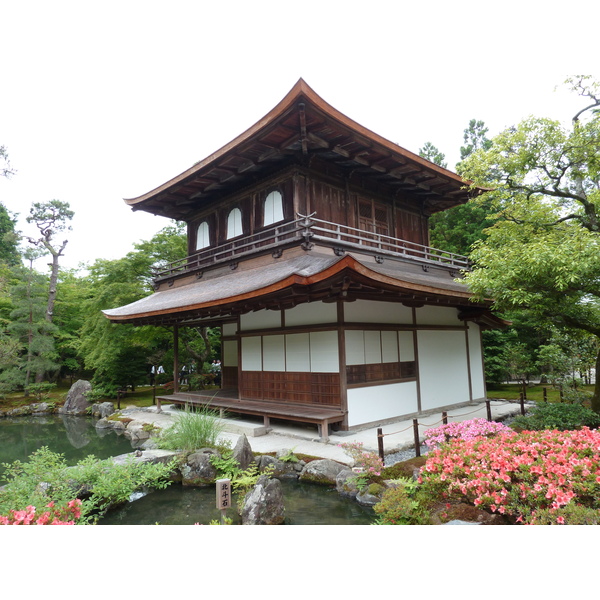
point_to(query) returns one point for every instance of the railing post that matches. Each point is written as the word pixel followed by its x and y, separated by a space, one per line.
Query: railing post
pixel 445 418
pixel 380 444
pixel 488 408
pixel 417 441
pixel 545 393
pixel 522 401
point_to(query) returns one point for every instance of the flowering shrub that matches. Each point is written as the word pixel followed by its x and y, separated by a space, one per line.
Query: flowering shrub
pixel 369 461
pixel 67 515
pixel 465 430
pixel 520 475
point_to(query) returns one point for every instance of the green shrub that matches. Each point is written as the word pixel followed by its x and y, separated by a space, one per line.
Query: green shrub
pixel 402 505
pixel 552 415
pixel 193 430
pixel 45 478
pixel 571 514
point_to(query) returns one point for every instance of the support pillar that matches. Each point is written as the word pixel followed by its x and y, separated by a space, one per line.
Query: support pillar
pixel 176 359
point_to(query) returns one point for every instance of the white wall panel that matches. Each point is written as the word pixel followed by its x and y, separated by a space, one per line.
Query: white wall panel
pixel 372 347
pixel 442 368
pixel 229 328
pixel 407 345
pixel 230 353
pixel 311 313
pixel 261 319
pixel 437 315
pixel 371 404
pixel 251 354
pixel 297 352
pixel 355 347
pixel 370 311
pixel 324 353
pixel 389 346
pixel 273 353
pixel 476 357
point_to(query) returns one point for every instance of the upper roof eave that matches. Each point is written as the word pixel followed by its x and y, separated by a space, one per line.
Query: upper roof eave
pixel 300 91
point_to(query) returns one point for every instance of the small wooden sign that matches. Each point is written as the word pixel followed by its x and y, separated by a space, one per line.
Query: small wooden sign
pixel 223 494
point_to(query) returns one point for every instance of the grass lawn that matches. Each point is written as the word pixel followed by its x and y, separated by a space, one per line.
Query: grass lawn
pixel 511 391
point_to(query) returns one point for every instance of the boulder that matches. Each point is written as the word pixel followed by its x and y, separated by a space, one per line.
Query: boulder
pixel 322 471
pixel 279 468
pixel 103 410
pixel 345 484
pixel 77 402
pixel 242 453
pixel 263 505
pixel 197 470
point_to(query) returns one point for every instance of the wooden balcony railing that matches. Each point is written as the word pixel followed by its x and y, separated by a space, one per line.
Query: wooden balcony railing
pixel 307 230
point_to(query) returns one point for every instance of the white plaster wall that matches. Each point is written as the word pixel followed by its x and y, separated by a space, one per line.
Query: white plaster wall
pixel 261 319
pixel 355 347
pixel 407 345
pixel 311 313
pixel 324 352
pixel 370 311
pixel 297 352
pixel 389 346
pixel 372 347
pixel 442 368
pixel 437 315
pixel 229 328
pixel 230 353
pixel 368 404
pixel 252 353
pixel 273 353
pixel 476 358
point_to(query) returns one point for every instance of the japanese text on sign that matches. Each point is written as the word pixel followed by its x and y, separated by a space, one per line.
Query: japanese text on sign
pixel 223 493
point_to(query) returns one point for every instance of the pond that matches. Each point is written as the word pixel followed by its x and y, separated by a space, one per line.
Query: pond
pixel 76 438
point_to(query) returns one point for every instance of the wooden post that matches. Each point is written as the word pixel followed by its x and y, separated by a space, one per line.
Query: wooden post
pixel 488 408
pixel 417 442
pixel 380 443
pixel 223 497
pixel 118 399
pixel 522 401
pixel 545 392
pixel 525 390
pixel 176 359
pixel 445 418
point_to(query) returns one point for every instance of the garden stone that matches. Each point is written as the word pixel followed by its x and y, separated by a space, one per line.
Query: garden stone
pixel 197 470
pixel 322 471
pixel 367 499
pixel 263 505
pixel 135 431
pixel 77 402
pixel 41 408
pixel 345 485
pixel 242 453
pixel 103 410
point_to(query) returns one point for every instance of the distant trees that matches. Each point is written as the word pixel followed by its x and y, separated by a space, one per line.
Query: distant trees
pixel 543 250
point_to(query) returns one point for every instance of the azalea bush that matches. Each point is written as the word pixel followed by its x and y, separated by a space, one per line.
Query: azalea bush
pixel 368 461
pixel 53 515
pixel 465 430
pixel 530 477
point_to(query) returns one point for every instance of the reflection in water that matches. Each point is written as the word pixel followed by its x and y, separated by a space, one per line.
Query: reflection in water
pixel 305 504
pixel 74 437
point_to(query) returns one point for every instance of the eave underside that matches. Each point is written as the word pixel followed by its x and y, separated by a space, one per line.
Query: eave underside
pixel 294 282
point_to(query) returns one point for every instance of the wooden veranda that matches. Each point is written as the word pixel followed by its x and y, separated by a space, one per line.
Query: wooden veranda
pixel 227 401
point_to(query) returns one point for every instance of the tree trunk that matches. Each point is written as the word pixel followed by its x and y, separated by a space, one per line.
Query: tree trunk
pixel 596 396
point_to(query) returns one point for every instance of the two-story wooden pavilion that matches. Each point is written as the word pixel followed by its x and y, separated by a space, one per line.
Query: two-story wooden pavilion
pixel 308 245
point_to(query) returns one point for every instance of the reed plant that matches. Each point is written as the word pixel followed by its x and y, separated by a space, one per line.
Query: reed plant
pixel 193 429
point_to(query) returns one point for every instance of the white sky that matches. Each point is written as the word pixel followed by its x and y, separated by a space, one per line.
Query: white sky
pixel 102 101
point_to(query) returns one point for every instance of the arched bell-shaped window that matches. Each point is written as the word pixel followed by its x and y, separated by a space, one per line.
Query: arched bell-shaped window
pixel 202 236
pixel 273 208
pixel 234 223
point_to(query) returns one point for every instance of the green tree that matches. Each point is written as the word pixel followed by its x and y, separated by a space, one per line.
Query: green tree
pixel 543 250
pixel 431 153
pixel 9 238
pixel 458 228
pixel 5 169
pixel 121 354
pixel 50 218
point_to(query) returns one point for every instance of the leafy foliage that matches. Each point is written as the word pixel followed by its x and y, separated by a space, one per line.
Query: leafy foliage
pixel 552 415
pixel 193 429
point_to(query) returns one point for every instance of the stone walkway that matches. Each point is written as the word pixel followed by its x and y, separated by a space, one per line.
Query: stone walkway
pixel 304 439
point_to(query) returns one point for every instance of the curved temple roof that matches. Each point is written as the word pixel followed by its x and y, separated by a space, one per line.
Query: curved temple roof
pixel 302 124
pixel 290 282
